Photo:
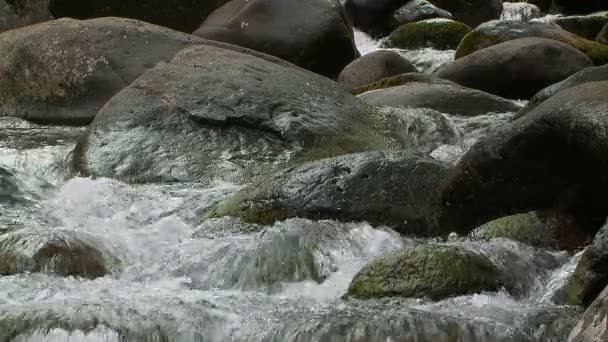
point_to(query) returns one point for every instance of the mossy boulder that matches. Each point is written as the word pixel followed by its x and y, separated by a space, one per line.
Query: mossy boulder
pixel 586 26
pixel 56 252
pixel 313 34
pixel 398 80
pixel 535 228
pixel 20 13
pixel 442 34
pixel 432 271
pixel 373 67
pixel 496 32
pixel 219 114
pixel 397 189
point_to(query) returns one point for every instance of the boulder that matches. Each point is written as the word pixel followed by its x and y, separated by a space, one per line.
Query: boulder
pixel 19 13
pixel 431 271
pixel 591 274
pixel 398 80
pixel 602 37
pixel 594 74
pixel 63 253
pixel 586 26
pixel 592 327
pixel 181 15
pixel 416 10
pixel 313 34
pixel 446 98
pixel 471 12
pixel 372 16
pixel 536 228
pixel 214 113
pixel 552 157
pixel 441 34
pixel 497 32
pixel 517 68
pixel 63 71
pixel 397 189
pixel 374 67
pixel 580 7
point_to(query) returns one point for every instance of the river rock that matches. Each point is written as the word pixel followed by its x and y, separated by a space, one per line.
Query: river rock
pixel 517 68
pixel 217 113
pixel 496 32
pixel 594 74
pixel 63 253
pixel 20 13
pixel 446 98
pixel 384 188
pixel 181 15
pixel 63 71
pixel 372 16
pixel 586 26
pixel 591 274
pixel 432 271
pixel 398 80
pixel 552 157
pixel 441 34
pixel 416 10
pixel 536 228
pixel 471 12
pixel 593 327
pixel 313 34
pixel 602 37
pixel 373 67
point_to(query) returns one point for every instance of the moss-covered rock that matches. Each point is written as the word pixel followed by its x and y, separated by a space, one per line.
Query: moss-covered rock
pixel 373 67
pixel 433 271
pixel 496 32
pixel 399 80
pixel 586 26
pixel 20 13
pixel 539 229
pixel 443 34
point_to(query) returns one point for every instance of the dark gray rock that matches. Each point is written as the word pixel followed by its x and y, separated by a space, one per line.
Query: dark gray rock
pixel 471 12
pixel 451 99
pixel 19 13
pixel 181 15
pixel 374 67
pixel 402 79
pixel 517 68
pixel 398 189
pixel 372 16
pixel 580 7
pixel 215 113
pixel 552 157
pixel 602 37
pixel 417 10
pixel 586 26
pixel 313 34
pixel 592 327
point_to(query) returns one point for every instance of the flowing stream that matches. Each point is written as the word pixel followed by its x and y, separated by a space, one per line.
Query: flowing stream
pixel 180 278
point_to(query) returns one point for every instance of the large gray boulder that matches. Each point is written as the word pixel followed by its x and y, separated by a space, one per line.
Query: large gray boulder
pixel 592 327
pixel 313 34
pixel 374 67
pixel 446 98
pixel 214 113
pixel 517 68
pixel 63 71
pixel 552 157
pixel 586 26
pixel 181 15
pixel 19 13
pixel 398 189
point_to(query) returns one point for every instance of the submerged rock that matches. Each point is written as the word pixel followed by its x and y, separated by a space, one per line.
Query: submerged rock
pixel 16 14
pixel 181 15
pixel 497 32
pixel 587 26
pixel 552 157
pixel 539 229
pixel 446 98
pixel 214 113
pixel 594 74
pixel 398 189
pixel 398 80
pixel 313 34
pixel 441 34
pixel 433 271
pixel 517 68
pixel 62 253
pixel 373 67
pixel 591 274
pixel 593 326
pixel 63 71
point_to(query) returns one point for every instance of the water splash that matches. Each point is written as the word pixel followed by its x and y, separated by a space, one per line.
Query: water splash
pixel 519 11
